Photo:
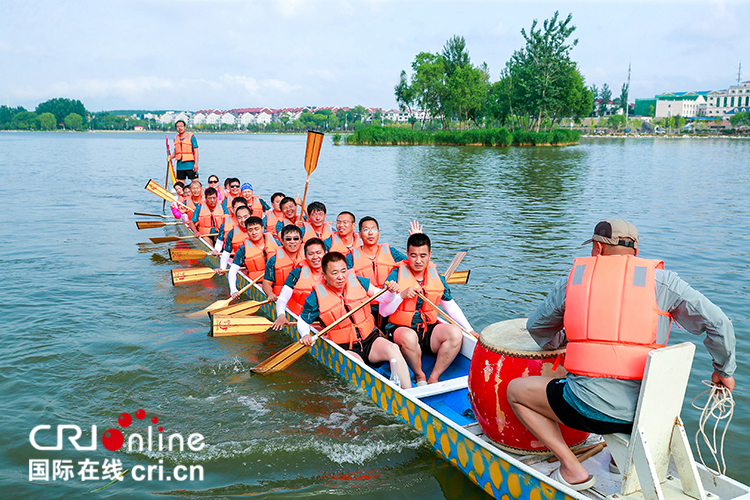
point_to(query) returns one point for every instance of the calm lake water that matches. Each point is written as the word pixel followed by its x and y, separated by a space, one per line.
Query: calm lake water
pixel 92 326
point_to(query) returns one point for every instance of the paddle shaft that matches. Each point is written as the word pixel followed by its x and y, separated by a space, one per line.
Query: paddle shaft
pixel 345 316
pixel 154 215
pixel 444 315
pixel 454 264
pixel 304 197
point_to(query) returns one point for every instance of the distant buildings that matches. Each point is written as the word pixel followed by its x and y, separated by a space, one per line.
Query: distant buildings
pixel 725 103
pixel 687 104
pixel 709 104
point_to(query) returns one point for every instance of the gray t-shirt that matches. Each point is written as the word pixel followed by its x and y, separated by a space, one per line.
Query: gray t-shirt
pixel 694 312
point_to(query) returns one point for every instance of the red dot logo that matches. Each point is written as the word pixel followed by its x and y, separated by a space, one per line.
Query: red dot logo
pixel 140 414
pixel 113 440
pixel 161 429
pixel 124 420
pixel 155 420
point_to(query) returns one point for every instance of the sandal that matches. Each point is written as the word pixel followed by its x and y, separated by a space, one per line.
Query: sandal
pixel 588 483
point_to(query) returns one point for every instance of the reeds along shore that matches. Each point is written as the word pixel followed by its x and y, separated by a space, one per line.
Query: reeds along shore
pixel 397 136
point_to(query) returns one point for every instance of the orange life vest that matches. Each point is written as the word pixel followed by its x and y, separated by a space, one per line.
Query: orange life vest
pixel 183 147
pixel 256 256
pixel 230 222
pixel 238 239
pixel 338 246
pixel 377 269
pixel 307 281
pixel 332 306
pixel 255 205
pixel 433 290
pixel 284 265
pixel 611 316
pixel 271 220
pixel 310 232
pixel 210 221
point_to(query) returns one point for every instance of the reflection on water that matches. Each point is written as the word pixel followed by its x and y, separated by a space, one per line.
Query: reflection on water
pixel 93 326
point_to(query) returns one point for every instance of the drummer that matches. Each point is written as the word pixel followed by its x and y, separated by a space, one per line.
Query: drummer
pixel 603 401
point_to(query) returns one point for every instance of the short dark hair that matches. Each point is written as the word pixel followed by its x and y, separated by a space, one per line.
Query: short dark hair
pixel 227 181
pixel 276 195
pixel 178 121
pixel 354 219
pixel 367 218
pixel 332 257
pixel 418 240
pixel 235 179
pixel 287 200
pixel 314 241
pixel 179 183
pixel 253 220
pixel 211 191
pixel 241 207
pixel 237 200
pixel 316 206
pixel 290 228
pixel 214 176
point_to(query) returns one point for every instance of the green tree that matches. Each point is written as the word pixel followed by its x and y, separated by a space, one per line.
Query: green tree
pixel 651 111
pixel 404 93
pixel 7 114
pixel 616 121
pixel 359 114
pixel 428 84
pixel 681 122
pixel 622 100
pixel 25 120
pixel 605 94
pixel 62 107
pixel 47 121
pixel 741 119
pixel 74 121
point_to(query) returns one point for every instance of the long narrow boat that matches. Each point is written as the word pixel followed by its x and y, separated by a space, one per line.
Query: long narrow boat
pixel 443 414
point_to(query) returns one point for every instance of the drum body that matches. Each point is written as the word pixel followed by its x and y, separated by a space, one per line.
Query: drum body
pixel 506 351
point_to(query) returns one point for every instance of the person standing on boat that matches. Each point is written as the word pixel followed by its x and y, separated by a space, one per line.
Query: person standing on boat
pixel 342 292
pixel 254 252
pixel 300 282
pixel 288 256
pixel 316 226
pixel 344 239
pixel 414 324
pixel 600 392
pixel 207 216
pixel 185 152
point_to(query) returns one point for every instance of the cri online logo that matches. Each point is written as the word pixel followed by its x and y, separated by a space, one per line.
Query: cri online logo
pixel 113 439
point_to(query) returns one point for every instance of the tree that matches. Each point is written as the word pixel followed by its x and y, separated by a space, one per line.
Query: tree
pixel 62 107
pixel 606 96
pixel 74 121
pixel 404 93
pixel 467 90
pixel 25 120
pixel 47 121
pixel 616 121
pixel 681 122
pixel 741 119
pixel 622 101
pixel 454 55
pixel 428 84
pixel 7 114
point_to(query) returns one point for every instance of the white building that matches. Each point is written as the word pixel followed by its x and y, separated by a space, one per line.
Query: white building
pixel 247 118
pixel 686 104
pixel 199 119
pixel 213 118
pixel 724 103
pixel 264 117
pixel 228 119
pixel 167 118
pixel 182 116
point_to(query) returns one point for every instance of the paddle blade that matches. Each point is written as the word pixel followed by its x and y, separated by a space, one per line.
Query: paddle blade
pixel 165 239
pixel 159 191
pixel 186 254
pixel 183 276
pixel 225 326
pixel 148 224
pixel 219 304
pixel 281 359
pixel 458 278
pixel 246 308
pixel 314 143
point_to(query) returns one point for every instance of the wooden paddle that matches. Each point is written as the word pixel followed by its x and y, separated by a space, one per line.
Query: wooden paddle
pixel 292 353
pixel 164 194
pixel 183 276
pixel 186 254
pixel 454 264
pixel 169 239
pixel 225 326
pixel 458 277
pixel 153 224
pixel 154 215
pixel 242 309
pixel 220 303
pixel 312 152
pixel 444 315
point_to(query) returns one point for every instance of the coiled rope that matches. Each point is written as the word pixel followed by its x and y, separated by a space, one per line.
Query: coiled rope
pixel 720 407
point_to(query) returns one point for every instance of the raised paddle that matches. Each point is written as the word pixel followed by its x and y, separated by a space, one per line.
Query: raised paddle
pixel 183 276
pixel 169 239
pixel 154 187
pixel 448 318
pixel 220 303
pixel 154 215
pixel 187 254
pixel 246 308
pixel 454 263
pixel 153 224
pixel 169 168
pixel 292 353
pixel 312 152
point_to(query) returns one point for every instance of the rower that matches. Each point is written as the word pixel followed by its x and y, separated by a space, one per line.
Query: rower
pixel 288 256
pixel 342 292
pixel 253 253
pixel 289 210
pixel 196 195
pixel 234 191
pixel 230 222
pixel 344 239
pixel 207 216
pixel 213 182
pixel 179 211
pixel 300 282
pixel 235 237
pixel 316 226
pixel 225 189
pixel 412 323
pixel 259 206
pixel 275 214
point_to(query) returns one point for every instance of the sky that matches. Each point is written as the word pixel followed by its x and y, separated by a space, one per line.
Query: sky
pixel 223 54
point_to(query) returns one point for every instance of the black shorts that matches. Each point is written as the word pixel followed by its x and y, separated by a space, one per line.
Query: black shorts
pixel 569 416
pixel 186 174
pixel 364 347
pixel 425 336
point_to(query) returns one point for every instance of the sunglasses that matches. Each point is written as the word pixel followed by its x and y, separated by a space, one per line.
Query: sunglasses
pixel 214 182
pixel 294 238
pixel 234 185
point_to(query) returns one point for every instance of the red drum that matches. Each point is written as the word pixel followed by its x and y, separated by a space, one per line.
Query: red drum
pixel 505 351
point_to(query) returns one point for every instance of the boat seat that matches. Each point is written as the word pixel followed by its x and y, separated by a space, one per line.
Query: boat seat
pixel 439 388
pixel 658 432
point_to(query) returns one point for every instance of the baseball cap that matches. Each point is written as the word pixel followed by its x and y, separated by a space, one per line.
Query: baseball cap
pixel 247 185
pixel 611 231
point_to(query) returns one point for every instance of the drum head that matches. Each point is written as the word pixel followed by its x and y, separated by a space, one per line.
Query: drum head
pixel 512 337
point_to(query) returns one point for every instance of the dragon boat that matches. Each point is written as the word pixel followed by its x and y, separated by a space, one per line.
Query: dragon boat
pixel 656 459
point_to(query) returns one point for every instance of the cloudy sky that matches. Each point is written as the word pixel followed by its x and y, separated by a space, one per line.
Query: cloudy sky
pixel 199 54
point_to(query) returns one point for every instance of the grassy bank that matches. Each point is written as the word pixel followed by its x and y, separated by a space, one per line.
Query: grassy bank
pixel 397 136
